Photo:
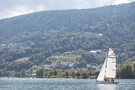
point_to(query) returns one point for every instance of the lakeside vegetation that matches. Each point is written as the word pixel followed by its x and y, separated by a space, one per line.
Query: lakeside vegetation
pixel 126 71
pixel 41 73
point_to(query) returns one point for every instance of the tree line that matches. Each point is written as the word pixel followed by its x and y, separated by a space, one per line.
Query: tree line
pixel 126 71
pixel 42 73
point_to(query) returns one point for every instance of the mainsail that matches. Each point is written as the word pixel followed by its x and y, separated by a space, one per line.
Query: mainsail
pixel 109 67
pixel 110 70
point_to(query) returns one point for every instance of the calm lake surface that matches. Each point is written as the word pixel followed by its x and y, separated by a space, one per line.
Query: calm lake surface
pixel 62 84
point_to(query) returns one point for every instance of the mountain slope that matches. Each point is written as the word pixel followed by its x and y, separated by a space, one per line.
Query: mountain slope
pixel 40 35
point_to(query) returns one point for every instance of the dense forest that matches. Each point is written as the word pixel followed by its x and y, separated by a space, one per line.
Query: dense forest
pixel 34 39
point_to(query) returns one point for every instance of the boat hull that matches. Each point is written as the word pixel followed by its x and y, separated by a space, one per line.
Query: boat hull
pixel 102 82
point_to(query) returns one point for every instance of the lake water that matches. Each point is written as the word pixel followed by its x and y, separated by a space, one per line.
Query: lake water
pixel 62 84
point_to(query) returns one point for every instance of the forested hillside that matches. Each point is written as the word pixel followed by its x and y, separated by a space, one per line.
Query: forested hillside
pixel 35 38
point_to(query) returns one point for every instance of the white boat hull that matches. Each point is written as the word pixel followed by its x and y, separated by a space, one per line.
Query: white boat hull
pixel 102 82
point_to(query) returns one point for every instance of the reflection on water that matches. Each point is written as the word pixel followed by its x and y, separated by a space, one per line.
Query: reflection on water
pixel 106 86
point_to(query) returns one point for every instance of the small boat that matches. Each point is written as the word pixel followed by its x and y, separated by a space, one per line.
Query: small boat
pixel 108 70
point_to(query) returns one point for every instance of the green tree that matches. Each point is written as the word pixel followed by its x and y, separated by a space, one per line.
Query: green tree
pixel 17 74
pixel 49 74
pixel 66 74
pixel 85 75
pixel 73 74
pixel 39 73
pixel 77 74
pixel 55 73
pixel 22 73
pixel 133 70
pixel 126 71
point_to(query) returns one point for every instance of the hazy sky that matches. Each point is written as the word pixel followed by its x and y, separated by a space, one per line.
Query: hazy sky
pixel 9 8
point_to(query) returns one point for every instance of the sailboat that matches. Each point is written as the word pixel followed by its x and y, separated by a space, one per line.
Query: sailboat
pixel 108 70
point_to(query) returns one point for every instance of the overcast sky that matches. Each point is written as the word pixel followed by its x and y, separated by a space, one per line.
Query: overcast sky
pixel 10 8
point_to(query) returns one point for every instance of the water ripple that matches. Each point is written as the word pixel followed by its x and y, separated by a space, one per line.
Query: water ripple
pixel 62 84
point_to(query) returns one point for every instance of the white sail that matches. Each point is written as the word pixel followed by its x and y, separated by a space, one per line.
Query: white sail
pixel 102 73
pixel 109 67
